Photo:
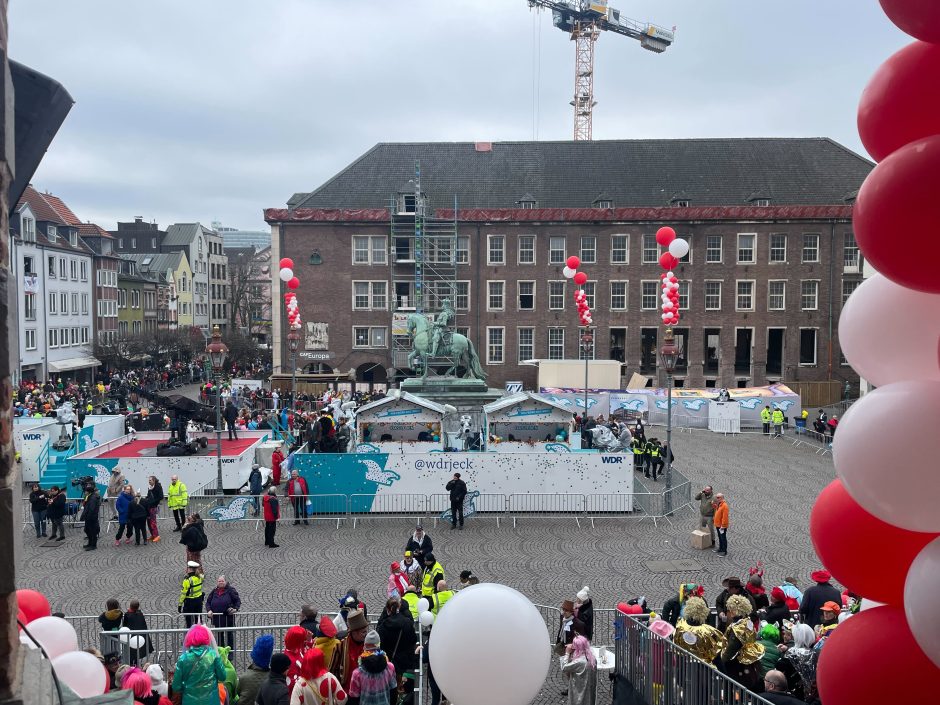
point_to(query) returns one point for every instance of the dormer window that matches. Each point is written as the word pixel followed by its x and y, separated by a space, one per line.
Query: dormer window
pixel 605 204
pixel 29 230
pixel 73 238
pixel 51 233
pixel 407 203
pixel 527 202
pixel 682 203
pixel 603 200
pixel 762 202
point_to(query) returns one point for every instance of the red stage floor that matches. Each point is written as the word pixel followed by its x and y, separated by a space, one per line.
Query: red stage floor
pixel 147 448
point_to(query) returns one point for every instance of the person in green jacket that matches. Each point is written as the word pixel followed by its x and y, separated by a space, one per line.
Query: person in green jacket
pixel 777 417
pixel 177 499
pixel 199 669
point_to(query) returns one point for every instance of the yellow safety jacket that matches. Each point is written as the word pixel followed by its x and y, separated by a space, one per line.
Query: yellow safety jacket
pixel 411 598
pixel 428 586
pixel 638 446
pixel 654 450
pixel 192 587
pixel 765 415
pixel 439 599
pixel 177 496
pixel 778 417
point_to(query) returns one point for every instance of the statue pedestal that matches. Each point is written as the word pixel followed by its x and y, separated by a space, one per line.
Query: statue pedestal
pixel 464 394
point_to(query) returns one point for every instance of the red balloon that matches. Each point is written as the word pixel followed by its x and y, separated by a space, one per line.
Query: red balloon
pixel 845 536
pixel 855 668
pixel 665 235
pixel 918 18
pixel 580 278
pixel 287 263
pixel 895 215
pixel 897 105
pixel 574 262
pixel 32 604
pixel 293 283
pixel 667 261
pixel 624 608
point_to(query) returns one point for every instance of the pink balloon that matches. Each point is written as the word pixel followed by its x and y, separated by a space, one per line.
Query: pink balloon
pixel 81 672
pixel 920 603
pixel 886 449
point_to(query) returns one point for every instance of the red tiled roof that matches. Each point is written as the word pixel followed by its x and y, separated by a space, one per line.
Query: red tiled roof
pixel 41 208
pixel 58 205
pixel 93 230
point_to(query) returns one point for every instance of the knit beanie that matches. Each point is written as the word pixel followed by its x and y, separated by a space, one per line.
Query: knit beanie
pixel 262 650
pixel 373 638
pixel 280 663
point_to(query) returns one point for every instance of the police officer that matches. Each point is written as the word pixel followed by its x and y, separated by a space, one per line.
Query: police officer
pixel 440 597
pixel 765 419
pixel 778 422
pixel 433 574
pixel 638 445
pixel 656 458
pixel 190 601
pixel 648 456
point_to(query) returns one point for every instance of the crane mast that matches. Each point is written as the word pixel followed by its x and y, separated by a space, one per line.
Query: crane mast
pixel 584 20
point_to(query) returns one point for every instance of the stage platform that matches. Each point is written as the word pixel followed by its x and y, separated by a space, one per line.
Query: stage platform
pixel 147 448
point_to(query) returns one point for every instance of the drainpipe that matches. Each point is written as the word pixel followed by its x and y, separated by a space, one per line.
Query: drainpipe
pixel 832 247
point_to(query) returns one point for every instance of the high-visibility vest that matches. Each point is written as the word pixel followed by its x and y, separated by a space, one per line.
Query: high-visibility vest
pixel 177 496
pixel 765 415
pixel 638 447
pixel 778 416
pixel 428 587
pixel 654 450
pixel 192 587
pixel 412 599
pixel 438 600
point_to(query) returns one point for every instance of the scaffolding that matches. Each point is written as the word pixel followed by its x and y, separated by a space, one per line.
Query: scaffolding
pixel 424 270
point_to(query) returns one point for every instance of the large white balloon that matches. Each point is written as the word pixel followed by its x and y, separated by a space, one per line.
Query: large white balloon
pixel 920 603
pixel 886 449
pixel 81 672
pixel 426 619
pixel 889 333
pixel 679 248
pixel 568 272
pixel 55 635
pixel 286 274
pixel 505 671
pixel 424 604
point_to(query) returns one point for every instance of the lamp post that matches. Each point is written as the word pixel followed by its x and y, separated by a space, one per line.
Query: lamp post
pixel 293 342
pixel 217 350
pixel 669 355
pixel 587 343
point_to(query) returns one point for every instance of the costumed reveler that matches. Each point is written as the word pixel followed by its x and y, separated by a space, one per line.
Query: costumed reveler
pixel 694 635
pixel 742 653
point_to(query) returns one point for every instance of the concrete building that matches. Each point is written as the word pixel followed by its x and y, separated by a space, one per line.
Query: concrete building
pixel 772 256
pixel 235 238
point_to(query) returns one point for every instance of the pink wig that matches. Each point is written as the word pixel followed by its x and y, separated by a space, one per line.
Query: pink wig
pixel 137 681
pixel 582 647
pixel 198 635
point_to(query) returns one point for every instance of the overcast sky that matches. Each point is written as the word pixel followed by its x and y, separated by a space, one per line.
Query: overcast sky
pixel 215 109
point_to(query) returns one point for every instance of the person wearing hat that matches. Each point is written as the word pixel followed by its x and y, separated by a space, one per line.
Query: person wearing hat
pixel 829 620
pixel 255 487
pixel 190 601
pixel 296 642
pixel 374 680
pixel 732 586
pixel 672 609
pixel 251 679
pixel 316 684
pixel 327 642
pixel 569 626
pixel 433 574
pixel 419 544
pixel 815 597
pixel 112 662
pixel 308 618
pixel 91 506
pixel 397 581
pixel 465 576
pixel 584 610
pixel 412 568
pixel 778 610
pixel 274 690
pixel 352 647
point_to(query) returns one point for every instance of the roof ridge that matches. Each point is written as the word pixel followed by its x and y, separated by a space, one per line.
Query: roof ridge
pixel 339 173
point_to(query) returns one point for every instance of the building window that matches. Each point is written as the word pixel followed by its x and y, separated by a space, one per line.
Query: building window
pixel 650 250
pixel 588 249
pixel 556 343
pixel 556 249
pixel 618 295
pixel 526 343
pixel 746 253
pixel 619 249
pixel 29 235
pixel 850 253
pixel 63 268
pixel 649 295
pixel 809 295
pixel 848 286
pixel 556 295
pixel 30 339
pixel 604 204
pixel 526 296
pixel 462 296
pixel 494 346
pixel 153 243
pixel 64 303
pixel 135 298
pixel 589 289
pixel 52 270
pixel 684 295
pixel 778 247
pixel 368 250
pixel 496 296
pixel 712 295
pixel 51 233
pixel 687 257
pixel 526 249
pixel 463 249
pixel 73 268
pixel 53 335
pixel 745 300
pixel 369 295
pixel 134 244
pixel 810 247
pixel 29 307
pixel 808 347
pixel 776 295
pixel 28 265
pixel 713 249
pixel 370 337
pixel 75 304
pixel 84 335
pixel 496 250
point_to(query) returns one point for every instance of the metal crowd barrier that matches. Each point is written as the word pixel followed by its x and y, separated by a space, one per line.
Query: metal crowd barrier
pixel 540 506
pixel 810 437
pixel 481 506
pixel 662 673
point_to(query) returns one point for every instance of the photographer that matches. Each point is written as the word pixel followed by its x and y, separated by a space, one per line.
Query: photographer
pixel 91 508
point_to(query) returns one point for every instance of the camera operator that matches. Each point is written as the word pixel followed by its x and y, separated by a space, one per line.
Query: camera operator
pixel 91 508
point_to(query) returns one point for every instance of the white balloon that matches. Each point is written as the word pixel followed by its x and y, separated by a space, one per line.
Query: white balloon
pixel 81 672
pixel 55 634
pixel 424 604
pixel 867 604
pixel 426 619
pixel 515 668
pixel 286 274
pixel 568 272
pixel 669 275
pixel 888 333
pixel 123 639
pixel 679 248
pixel 137 641
pixel 920 604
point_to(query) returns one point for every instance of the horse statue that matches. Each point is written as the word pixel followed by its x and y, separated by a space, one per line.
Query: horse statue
pixel 461 350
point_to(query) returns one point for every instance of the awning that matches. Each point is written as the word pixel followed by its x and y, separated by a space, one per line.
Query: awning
pixel 73 363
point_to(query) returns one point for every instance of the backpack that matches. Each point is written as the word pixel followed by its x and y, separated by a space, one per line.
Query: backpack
pixel 203 541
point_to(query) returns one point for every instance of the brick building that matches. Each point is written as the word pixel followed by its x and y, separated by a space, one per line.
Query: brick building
pixel 772 259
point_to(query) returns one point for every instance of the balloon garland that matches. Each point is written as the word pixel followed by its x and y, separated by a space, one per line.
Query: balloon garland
pixel 677 248
pixel 878 541
pixel 580 296
pixel 290 298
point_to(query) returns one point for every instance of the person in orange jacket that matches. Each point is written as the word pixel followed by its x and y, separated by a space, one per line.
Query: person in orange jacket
pixel 721 523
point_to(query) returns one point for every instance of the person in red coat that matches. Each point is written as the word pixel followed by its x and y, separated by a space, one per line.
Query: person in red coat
pixel 272 512
pixel 277 457
pixel 297 493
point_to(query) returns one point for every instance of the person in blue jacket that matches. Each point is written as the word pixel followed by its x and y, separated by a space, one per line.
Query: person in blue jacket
pixel 122 506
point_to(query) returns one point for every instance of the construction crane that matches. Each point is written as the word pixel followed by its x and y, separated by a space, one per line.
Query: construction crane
pixel 584 20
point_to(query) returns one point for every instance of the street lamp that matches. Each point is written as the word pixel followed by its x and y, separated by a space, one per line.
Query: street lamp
pixel 587 343
pixel 669 355
pixel 217 350
pixel 293 342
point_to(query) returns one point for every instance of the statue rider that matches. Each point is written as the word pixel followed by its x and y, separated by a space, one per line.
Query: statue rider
pixel 441 326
